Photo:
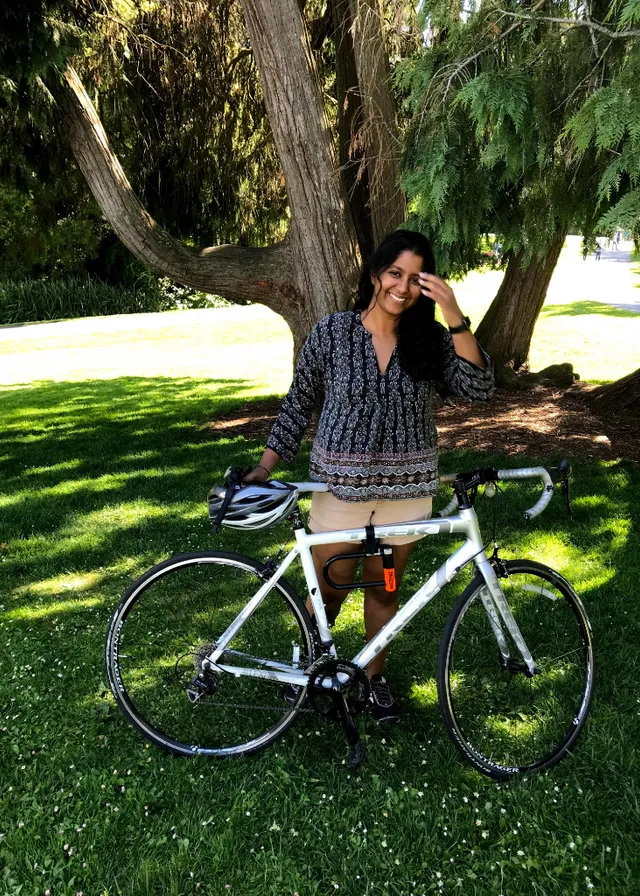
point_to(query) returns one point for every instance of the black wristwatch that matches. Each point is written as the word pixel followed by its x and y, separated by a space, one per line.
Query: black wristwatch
pixel 461 328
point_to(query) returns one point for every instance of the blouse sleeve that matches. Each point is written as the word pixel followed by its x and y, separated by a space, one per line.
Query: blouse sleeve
pixel 464 378
pixel 304 394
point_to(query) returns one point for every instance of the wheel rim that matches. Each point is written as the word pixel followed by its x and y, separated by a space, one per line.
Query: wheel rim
pixel 166 628
pixel 508 723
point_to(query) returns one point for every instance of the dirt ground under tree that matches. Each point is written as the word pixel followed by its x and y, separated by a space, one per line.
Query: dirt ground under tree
pixel 538 423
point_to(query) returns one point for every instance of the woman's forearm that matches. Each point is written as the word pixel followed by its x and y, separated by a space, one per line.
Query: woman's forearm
pixel 466 347
pixel 269 460
pixel 261 472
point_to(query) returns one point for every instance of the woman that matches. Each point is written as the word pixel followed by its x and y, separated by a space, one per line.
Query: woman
pixel 376 446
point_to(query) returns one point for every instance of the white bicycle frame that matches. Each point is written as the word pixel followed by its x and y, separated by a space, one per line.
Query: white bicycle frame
pixel 464 523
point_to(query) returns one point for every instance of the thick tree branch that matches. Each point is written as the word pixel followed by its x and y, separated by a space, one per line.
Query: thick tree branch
pixel 259 275
pixel 321 233
pixel 574 23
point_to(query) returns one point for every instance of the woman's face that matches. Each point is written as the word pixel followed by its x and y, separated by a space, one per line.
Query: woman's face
pixel 398 288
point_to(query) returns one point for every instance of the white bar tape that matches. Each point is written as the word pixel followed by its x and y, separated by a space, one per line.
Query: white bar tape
pixel 520 473
pixel 310 486
pixel 532 473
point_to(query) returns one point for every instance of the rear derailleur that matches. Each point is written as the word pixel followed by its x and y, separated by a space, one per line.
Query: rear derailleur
pixel 205 682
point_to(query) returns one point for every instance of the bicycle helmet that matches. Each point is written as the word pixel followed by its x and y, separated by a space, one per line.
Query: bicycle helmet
pixel 256 505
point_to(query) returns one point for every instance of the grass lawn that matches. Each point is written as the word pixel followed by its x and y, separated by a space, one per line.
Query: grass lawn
pixel 105 462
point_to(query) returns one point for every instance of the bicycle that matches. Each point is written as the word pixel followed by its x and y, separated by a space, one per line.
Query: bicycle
pixel 202 647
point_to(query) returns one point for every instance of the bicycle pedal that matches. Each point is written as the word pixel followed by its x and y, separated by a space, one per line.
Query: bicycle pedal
pixel 357 753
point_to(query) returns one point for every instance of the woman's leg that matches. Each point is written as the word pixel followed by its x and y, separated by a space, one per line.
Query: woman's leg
pixel 342 572
pixel 379 605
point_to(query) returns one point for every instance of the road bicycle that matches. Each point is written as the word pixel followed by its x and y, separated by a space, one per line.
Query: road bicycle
pixel 203 649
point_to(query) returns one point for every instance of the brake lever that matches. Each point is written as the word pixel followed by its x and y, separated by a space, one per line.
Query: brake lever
pixel 565 494
pixel 564 471
pixel 235 475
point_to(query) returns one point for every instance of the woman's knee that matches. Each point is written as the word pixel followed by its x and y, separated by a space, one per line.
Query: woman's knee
pixel 379 595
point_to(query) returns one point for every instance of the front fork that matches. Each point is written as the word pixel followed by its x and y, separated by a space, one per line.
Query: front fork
pixel 499 614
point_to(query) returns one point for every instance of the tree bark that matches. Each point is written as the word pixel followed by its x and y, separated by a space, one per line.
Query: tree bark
pixel 314 270
pixel 379 131
pixel 321 234
pixel 621 398
pixel 354 175
pixel 506 329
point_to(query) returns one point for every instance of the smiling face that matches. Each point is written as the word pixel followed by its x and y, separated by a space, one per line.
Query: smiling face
pixel 397 287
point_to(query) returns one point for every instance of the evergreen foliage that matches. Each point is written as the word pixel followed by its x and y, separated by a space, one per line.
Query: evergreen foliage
pixel 609 120
pixel 179 93
pixel 514 117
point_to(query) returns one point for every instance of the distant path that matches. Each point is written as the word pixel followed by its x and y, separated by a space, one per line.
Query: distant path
pixel 606 273
pixel 610 276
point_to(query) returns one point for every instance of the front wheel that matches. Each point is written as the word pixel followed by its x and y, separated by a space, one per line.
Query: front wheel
pixel 503 720
pixel 167 624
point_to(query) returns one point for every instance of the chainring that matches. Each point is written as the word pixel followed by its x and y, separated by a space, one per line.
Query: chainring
pixel 356 689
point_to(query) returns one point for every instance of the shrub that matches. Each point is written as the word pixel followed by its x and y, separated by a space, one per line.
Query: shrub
pixel 33 300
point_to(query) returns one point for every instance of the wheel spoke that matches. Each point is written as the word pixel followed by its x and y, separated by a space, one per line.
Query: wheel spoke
pixel 515 721
pixel 167 629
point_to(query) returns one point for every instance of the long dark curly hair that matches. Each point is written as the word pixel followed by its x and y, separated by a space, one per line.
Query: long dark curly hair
pixel 419 348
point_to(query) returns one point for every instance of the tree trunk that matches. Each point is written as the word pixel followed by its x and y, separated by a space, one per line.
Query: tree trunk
pixel 379 131
pixel 621 398
pixel 354 175
pixel 314 270
pixel 321 234
pixel 506 329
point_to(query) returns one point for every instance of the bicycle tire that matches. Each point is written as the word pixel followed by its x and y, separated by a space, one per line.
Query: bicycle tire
pixel 169 618
pixel 503 722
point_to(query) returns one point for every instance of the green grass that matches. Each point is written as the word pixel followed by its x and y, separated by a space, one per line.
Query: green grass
pixel 105 462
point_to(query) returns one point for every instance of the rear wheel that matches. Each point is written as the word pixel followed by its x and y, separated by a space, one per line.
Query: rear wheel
pixel 502 720
pixel 165 626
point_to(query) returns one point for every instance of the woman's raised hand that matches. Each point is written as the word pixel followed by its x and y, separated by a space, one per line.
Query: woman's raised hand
pixel 438 291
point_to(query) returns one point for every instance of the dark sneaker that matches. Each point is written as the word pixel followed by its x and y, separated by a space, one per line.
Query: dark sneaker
pixel 382 706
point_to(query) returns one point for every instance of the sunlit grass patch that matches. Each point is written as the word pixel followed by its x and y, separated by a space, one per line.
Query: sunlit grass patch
pixel 115 481
pixel 50 609
pixel 58 585
pixel 424 694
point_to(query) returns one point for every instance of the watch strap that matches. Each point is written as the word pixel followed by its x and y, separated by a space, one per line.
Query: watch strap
pixel 461 328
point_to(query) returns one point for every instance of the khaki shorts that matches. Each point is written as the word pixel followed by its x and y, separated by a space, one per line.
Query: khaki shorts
pixel 329 513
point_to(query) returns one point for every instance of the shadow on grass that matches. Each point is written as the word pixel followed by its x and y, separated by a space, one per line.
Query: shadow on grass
pixel 101 479
pixel 575 309
pixel 92 470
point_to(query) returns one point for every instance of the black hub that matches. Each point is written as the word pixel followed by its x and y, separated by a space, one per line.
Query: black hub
pixel 205 682
pixel 517 668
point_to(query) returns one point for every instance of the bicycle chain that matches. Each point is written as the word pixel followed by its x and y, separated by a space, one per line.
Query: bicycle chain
pixel 248 706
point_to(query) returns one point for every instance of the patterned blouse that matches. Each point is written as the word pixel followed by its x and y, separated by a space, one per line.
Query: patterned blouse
pixel 376 437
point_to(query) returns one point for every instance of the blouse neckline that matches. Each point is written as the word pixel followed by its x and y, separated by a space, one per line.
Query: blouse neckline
pixel 381 373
